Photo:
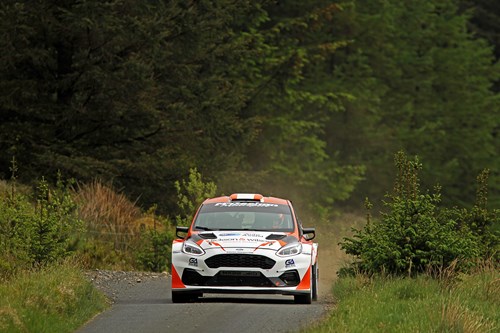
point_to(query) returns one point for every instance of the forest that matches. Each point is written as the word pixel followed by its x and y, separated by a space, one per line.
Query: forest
pixel 307 100
pixel 379 119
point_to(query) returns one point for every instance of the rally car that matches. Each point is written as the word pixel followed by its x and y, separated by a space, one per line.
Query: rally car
pixel 245 244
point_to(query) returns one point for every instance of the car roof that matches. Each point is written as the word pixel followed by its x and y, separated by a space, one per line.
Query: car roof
pixel 259 198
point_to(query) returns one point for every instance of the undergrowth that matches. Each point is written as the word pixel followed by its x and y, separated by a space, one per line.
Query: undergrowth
pixel 415 233
pixel 468 303
pixel 56 298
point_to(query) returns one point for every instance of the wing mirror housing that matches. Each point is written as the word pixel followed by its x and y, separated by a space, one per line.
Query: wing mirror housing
pixel 179 229
pixel 309 233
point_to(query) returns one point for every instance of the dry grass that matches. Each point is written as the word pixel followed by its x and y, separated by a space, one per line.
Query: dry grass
pixel 8 187
pixel 10 318
pixel 107 213
pixel 458 318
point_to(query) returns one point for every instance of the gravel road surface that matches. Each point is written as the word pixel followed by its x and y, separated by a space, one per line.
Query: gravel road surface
pixel 142 303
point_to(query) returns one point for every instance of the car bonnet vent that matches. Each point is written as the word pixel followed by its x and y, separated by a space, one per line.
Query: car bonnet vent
pixel 275 236
pixel 209 235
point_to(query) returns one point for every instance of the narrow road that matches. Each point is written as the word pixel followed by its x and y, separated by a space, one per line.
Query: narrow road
pixel 146 307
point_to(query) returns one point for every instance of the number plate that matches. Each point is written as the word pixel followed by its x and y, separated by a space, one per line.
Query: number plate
pixel 239 273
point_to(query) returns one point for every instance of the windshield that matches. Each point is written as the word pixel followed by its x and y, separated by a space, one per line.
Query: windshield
pixel 244 216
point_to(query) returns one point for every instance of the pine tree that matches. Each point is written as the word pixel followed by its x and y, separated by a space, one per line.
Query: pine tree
pixel 133 91
pixel 293 103
pixel 421 82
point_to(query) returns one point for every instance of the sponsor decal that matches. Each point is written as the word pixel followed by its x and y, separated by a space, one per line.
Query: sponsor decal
pixel 289 263
pixel 229 235
pixel 244 204
pixel 251 235
pixel 238 250
pixel 193 262
pixel 239 240
pixel 264 244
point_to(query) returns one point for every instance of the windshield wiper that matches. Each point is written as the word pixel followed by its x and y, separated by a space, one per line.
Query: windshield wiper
pixel 203 228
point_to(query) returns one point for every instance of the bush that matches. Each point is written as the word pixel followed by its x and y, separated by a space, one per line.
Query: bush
pixel 37 229
pixel 154 247
pixel 54 223
pixel 416 234
pixel 190 194
pixel 16 214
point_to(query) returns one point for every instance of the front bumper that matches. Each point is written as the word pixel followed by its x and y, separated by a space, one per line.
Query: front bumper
pixel 258 272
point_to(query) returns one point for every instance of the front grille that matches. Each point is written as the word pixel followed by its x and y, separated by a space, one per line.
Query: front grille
pixel 240 260
pixel 222 279
pixel 191 277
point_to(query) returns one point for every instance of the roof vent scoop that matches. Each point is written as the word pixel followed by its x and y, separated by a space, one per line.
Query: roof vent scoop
pixel 246 197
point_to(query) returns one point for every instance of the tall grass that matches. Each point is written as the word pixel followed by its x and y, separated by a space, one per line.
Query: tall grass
pixel 469 304
pixel 107 211
pixel 111 226
pixel 55 299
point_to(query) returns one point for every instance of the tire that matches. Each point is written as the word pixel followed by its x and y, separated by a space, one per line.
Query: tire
pixel 315 282
pixel 184 297
pixel 306 298
pixel 303 299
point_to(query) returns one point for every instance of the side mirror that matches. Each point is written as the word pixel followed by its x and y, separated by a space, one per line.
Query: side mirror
pixel 309 233
pixel 179 229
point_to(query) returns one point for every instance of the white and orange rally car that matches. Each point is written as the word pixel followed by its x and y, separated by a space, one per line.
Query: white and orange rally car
pixel 245 244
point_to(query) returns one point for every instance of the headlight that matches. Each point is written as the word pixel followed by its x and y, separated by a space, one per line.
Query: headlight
pixel 192 248
pixel 290 250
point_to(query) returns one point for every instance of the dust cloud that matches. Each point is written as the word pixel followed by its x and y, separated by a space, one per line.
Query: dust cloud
pixel 331 257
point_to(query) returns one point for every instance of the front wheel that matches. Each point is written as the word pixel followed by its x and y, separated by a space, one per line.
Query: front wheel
pixel 302 299
pixel 315 282
pixel 184 297
pixel 307 298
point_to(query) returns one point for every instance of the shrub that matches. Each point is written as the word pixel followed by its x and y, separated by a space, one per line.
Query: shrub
pixel 414 234
pixel 37 229
pixel 154 246
pixel 484 223
pixel 190 194
pixel 54 223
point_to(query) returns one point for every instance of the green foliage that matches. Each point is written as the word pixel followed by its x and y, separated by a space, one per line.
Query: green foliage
pixel 422 304
pixel 55 223
pixel 414 235
pixel 154 248
pixel 484 22
pixel 190 194
pixel 102 255
pixel 419 81
pixel 302 99
pixel 135 92
pixel 16 213
pixel 294 100
pixel 483 222
pixel 54 299
pixel 36 234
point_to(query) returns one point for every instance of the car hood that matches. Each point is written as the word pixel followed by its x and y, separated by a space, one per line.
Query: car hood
pixel 242 241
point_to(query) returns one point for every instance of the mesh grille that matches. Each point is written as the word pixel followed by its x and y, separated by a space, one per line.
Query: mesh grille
pixel 193 278
pixel 240 260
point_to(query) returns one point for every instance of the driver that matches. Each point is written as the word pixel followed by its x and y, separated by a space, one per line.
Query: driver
pixel 278 221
